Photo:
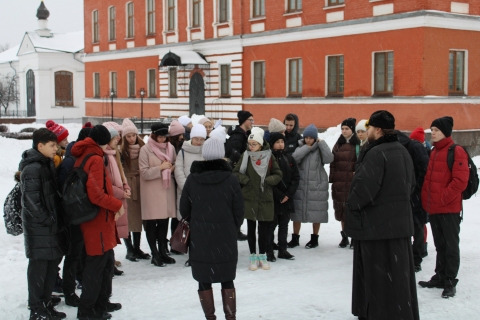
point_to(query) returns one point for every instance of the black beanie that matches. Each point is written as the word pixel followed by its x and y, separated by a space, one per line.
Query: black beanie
pixel 274 137
pixel 243 116
pixel 444 124
pixel 382 119
pixel 351 123
pixel 100 135
pixel 160 129
pixel 85 132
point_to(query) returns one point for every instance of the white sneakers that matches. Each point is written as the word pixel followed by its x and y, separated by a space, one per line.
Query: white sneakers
pixel 259 261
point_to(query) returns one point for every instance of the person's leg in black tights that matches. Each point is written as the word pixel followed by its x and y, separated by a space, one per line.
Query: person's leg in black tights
pixel 208 286
pixel 252 237
pixel 272 225
pixel 151 233
pixel 283 220
pixel 262 236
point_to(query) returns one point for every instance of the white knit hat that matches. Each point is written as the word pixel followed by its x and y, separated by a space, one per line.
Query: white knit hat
pixel 361 125
pixel 257 135
pixel 198 131
pixel 219 133
pixel 213 149
pixel 184 120
pixel 276 125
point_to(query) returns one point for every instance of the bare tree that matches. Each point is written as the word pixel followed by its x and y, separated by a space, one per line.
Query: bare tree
pixel 4 47
pixel 8 92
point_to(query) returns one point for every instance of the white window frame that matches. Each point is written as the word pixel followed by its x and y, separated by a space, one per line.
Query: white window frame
pixel 217 11
pixel 134 84
pixel 220 80
pixel 288 76
pixel 292 12
pixel 93 26
pixel 326 71
pixel 109 27
pixel 165 23
pixel 149 93
pixel 126 20
pixel 154 17
pixel 465 71
pixel 373 70
pixel 252 2
pixel 253 78
pixel 95 85
pixel 111 84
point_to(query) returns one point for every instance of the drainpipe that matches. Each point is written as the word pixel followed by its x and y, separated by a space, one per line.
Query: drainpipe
pixel 15 77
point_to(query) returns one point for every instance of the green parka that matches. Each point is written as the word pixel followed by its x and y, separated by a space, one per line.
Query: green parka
pixel 259 204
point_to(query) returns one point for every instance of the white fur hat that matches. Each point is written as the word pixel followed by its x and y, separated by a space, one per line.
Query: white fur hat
pixel 361 125
pixel 184 120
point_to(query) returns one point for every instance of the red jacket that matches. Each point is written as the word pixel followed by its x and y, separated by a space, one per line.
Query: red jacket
pixel 99 234
pixel 442 188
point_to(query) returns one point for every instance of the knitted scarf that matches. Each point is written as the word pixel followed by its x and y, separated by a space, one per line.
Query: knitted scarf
pixel 260 161
pixel 156 148
pixel 133 151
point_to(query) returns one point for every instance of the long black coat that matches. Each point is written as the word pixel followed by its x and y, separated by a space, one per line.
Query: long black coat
pixel 289 183
pixel 213 199
pixel 379 200
pixel 42 211
pixel 420 159
pixel 236 144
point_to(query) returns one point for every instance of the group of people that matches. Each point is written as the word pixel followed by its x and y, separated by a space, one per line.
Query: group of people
pixel 385 187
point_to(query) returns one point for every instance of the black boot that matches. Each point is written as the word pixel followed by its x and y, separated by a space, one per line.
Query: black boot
pixel 157 259
pixel 136 247
pixel 92 313
pixel 54 314
pixel 72 300
pixel 117 272
pixel 344 243
pixel 351 244
pixel 295 242
pixel 434 282
pixel 313 243
pixel 39 312
pixel 107 306
pixel 163 253
pixel 130 252
pixel 271 256
pixel 241 236
pixel 284 254
pixel 450 288
pixel 275 246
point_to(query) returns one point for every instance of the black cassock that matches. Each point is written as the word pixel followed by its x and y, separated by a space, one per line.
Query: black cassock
pixel 384 285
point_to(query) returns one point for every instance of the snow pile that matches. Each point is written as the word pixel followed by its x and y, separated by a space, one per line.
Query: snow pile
pixel 316 285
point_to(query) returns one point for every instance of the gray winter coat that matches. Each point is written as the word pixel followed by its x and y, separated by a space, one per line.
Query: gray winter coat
pixel 311 198
pixel 185 158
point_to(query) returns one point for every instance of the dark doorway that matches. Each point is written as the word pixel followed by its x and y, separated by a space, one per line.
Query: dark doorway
pixel 197 94
pixel 31 94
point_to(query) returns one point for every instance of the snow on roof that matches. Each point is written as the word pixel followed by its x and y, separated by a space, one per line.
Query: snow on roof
pixel 64 42
pixel 9 55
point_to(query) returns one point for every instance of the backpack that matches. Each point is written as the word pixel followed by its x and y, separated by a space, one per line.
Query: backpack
pixel 12 211
pixel 473 181
pixel 75 201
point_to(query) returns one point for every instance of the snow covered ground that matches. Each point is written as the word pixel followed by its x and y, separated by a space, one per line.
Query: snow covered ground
pixel 316 285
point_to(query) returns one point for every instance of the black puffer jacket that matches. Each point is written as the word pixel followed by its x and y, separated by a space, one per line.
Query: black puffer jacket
pixel 213 199
pixel 379 200
pixel 66 166
pixel 41 208
pixel 420 159
pixel 289 183
pixel 236 144
pixel 291 138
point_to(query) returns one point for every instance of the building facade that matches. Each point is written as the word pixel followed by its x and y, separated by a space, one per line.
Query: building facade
pixel 48 71
pixel 324 60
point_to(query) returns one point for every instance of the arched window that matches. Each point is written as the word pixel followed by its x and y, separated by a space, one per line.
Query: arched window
pixel 64 89
pixel 30 94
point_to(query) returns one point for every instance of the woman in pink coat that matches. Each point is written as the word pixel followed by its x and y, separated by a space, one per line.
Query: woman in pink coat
pixel 157 186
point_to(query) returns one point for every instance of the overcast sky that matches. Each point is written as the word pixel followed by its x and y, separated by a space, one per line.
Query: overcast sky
pixel 19 16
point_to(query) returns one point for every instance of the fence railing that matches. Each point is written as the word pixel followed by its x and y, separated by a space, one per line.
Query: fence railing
pixel 13 113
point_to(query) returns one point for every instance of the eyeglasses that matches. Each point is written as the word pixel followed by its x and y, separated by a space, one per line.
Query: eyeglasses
pixel 253 145
pixel 251 120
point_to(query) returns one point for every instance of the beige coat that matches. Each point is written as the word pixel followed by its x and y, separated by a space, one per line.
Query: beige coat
pixel 185 158
pixel 134 207
pixel 157 202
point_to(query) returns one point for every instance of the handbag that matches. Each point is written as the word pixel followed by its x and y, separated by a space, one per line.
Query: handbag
pixel 181 237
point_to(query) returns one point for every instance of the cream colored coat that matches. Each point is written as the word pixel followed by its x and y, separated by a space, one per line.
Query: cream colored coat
pixel 157 202
pixel 185 158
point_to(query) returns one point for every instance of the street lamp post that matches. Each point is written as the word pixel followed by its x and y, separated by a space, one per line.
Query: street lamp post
pixel 142 94
pixel 112 94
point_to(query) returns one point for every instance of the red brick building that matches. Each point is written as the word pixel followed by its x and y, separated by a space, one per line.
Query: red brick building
pixel 324 60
